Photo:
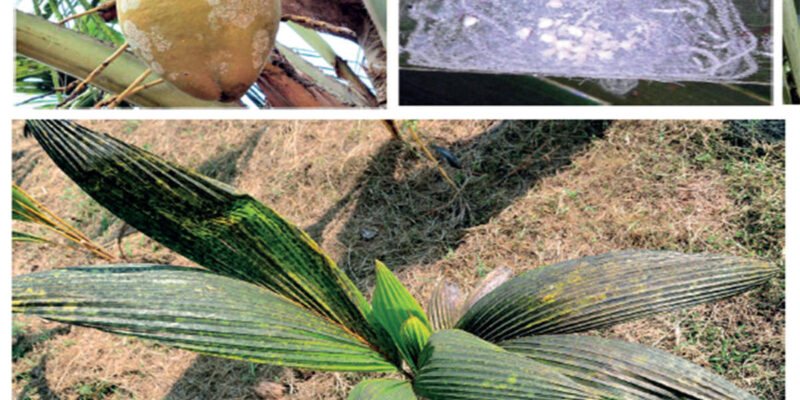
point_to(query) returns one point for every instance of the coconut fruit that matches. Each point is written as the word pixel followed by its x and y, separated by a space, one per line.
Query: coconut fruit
pixel 210 49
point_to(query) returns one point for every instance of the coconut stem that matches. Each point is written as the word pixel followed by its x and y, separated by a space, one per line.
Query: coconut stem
pixel 147 86
pixel 128 91
pixel 100 68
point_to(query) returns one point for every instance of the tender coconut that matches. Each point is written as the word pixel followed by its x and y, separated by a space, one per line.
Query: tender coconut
pixel 211 49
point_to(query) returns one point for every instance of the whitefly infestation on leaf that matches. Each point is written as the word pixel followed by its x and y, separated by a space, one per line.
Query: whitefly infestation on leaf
pixel 662 40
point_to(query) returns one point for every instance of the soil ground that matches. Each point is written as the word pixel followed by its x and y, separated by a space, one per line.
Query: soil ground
pixel 531 193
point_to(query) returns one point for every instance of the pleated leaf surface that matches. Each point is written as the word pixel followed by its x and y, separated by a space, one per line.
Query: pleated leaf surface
pixel 488 284
pixel 394 306
pixel 196 310
pixel 414 335
pixel 457 365
pixel 600 291
pixel 382 389
pixel 444 305
pixel 629 370
pixel 207 221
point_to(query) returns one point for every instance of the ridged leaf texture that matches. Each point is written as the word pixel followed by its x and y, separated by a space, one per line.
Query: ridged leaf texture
pixel 394 306
pixel 488 284
pixel 207 221
pixel 197 310
pixel 444 306
pixel 414 335
pixel 600 291
pixel 382 389
pixel 458 365
pixel 629 370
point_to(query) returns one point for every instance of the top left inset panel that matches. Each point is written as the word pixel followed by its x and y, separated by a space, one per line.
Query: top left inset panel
pixel 200 53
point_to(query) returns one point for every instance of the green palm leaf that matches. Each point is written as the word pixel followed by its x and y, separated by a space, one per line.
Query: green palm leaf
pixel 600 291
pixel 209 222
pixel 458 365
pixel 196 310
pixel 414 335
pixel 26 237
pixel 382 389
pixel 629 370
pixel 400 314
pixel 25 208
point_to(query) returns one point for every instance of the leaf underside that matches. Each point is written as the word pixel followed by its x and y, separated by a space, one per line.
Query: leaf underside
pixel 382 389
pixel 629 370
pixel 444 305
pixel 489 283
pixel 207 221
pixel 600 291
pixel 196 310
pixel 458 365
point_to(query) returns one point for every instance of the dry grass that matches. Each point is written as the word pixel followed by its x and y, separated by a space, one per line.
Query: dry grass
pixel 531 194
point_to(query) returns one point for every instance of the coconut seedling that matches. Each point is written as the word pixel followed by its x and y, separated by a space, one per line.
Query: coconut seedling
pixel 269 294
pixel 216 50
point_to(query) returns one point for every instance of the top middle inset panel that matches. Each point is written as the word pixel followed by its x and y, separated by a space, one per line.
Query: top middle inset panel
pixel 586 52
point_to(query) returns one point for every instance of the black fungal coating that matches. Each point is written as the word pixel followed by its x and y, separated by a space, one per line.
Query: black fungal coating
pixel 629 370
pixel 188 308
pixel 600 291
pixel 191 214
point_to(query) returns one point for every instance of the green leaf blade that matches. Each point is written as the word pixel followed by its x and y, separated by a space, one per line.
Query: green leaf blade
pixel 382 389
pixel 23 237
pixel 195 310
pixel 209 222
pixel 600 291
pixel 458 365
pixel 24 209
pixel 629 370
pixel 400 314
pixel 414 335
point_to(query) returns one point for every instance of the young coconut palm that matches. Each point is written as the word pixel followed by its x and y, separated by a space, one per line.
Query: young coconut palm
pixel 269 294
